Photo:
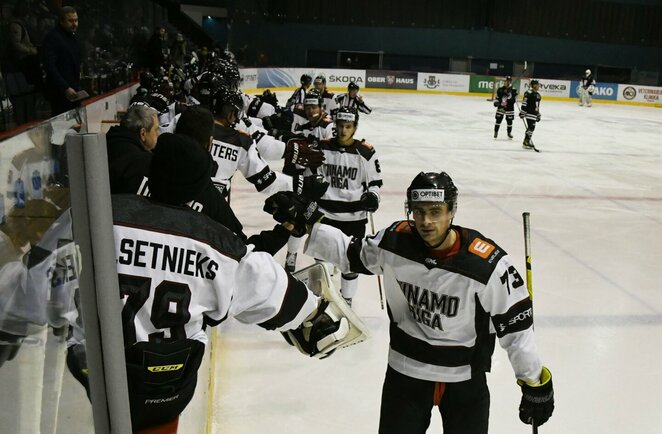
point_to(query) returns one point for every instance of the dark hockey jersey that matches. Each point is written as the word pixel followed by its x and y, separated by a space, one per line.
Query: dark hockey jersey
pixel 506 97
pixel 531 104
pixel 444 311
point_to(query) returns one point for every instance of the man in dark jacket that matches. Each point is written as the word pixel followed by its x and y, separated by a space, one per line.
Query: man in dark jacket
pixel 129 150
pixel 61 58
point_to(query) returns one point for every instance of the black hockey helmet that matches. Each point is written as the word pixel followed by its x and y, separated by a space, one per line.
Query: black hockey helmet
pixel 147 80
pixel 306 80
pixel 533 83
pixel 313 98
pixel 508 78
pixel 432 187
pixel 348 114
pixel 352 86
pixel 208 85
pixel 226 101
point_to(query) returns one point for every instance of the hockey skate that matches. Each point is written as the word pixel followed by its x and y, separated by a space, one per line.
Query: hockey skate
pixel 510 136
pixel 527 143
pixel 496 134
pixel 348 301
pixel 291 262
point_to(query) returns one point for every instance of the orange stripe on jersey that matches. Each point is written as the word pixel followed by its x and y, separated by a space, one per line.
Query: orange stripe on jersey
pixel 481 248
pixel 366 144
pixel 439 390
pixel 403 227
pixel 166 428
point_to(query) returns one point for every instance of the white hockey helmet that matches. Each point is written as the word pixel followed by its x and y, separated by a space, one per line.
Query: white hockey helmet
pixel 587 72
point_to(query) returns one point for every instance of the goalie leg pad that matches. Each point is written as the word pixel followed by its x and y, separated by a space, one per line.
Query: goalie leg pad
pixel 333 325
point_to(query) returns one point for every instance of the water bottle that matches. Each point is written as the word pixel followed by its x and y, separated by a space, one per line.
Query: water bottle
pixel 36 185
pixel 19 194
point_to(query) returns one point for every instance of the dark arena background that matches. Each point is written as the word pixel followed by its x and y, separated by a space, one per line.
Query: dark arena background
pixel 442 86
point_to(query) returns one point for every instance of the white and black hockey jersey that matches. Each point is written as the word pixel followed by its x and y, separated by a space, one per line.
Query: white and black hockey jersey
pixel 177 267
pixel 344 100
pixel 588 83
pixel 328 101
pixel 296 99
pixel 232 151
pixel 324 129
pixel 269 147
pixel 258 108
pixel 350 171
pixel 444 311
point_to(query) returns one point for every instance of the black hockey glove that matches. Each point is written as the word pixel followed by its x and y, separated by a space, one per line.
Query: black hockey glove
pixel 369 201
pixel 537 401
pixel 309 187
pixel 496 103
pixel 522 114
pixel 287 207
pixel 538 117
pixel 304 153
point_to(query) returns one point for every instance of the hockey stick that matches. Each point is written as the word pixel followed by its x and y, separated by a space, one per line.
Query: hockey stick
pixel 379 278
pixel 372 228
pixel 529 280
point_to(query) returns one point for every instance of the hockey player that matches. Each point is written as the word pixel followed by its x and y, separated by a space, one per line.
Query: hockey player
pixel 448 289
pixel 328 98
pixel 505 100
pixel 233 150
pixel 296 100
pixel 317 122
pixel 352 99
pixel 178 271
pixel 352 169
pixel 263 105
pixel 319 127
pixel 586 88
pixel 530 112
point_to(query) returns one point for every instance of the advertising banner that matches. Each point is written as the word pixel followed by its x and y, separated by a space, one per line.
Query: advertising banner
pixel 602 90
pixel 558 88
pixel 391 79
pixel 340 78
pixel 636 93
pixel 280 77
pixel 443 82
pixel 248 78
pixel 481 84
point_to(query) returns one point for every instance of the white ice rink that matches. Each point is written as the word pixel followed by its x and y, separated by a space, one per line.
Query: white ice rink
pixel 595 198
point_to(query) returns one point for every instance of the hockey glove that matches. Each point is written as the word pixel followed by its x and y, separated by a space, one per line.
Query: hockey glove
pixel 300 151
pixel 369 201
pixel 309 187
pixel 537 401
pixel 287 207
pixel 317 334
pixel 522 114
pixel 538 117
pixel 496 103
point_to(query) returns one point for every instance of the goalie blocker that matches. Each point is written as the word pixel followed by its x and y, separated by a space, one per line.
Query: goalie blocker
pixel 332 325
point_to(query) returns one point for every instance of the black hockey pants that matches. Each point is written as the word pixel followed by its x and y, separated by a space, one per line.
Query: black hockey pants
pixel 407 403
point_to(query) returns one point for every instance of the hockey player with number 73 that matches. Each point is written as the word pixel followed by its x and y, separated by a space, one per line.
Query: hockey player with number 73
pixel 450 292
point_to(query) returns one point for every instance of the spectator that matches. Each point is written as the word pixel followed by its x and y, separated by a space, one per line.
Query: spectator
pixel 22 54
pixel 61 57
pixel 155 49
pixel 179 50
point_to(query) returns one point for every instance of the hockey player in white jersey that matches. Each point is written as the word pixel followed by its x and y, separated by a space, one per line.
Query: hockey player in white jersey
pixel 318 126
pixel 328 98
pixel 317 122
pixel 352 170
pixel 449 291
pixel 352 99
pixel 179 271
pixel 235 151
pixel 586 88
